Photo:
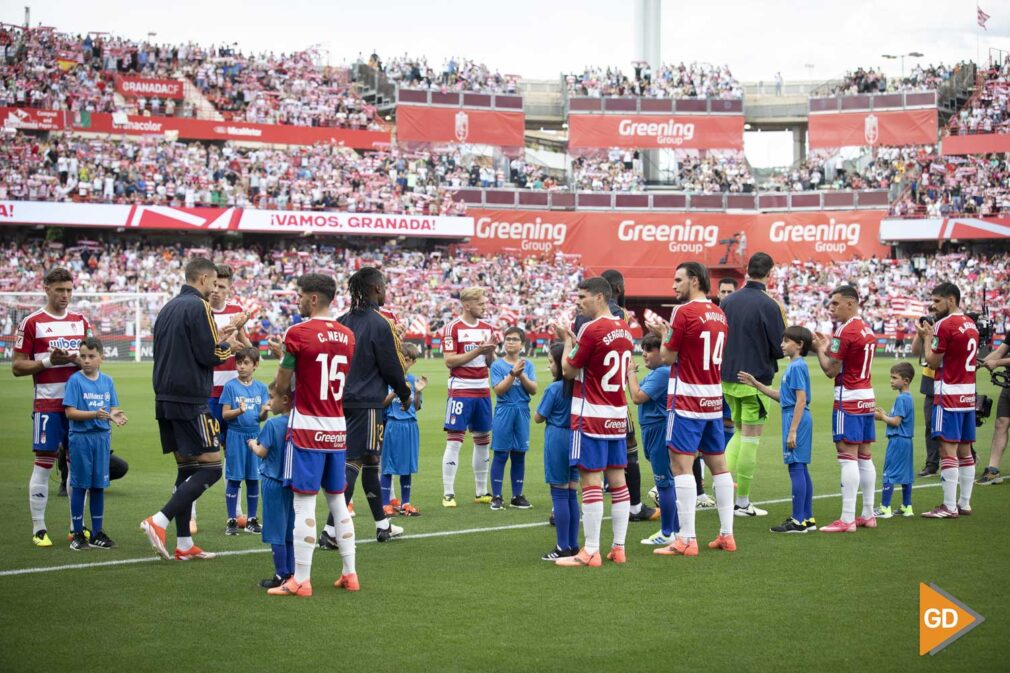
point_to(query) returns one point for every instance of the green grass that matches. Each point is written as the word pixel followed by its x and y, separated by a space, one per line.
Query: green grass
pixel 482 601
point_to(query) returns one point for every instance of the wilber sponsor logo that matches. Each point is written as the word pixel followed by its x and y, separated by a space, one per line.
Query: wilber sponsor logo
pixel 670 132
pixel 65 344
pixel 687 237
pixel 535 235
pixel 830 237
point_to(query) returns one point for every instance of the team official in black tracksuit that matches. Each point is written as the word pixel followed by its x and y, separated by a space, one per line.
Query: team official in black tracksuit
pixel 187 346
pixel 377 366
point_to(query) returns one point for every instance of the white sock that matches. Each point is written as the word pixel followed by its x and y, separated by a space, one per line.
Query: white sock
pixel 592 519
pixel 867 484
pixel 332 530
pixel 304 534
pixel 635 509
pixel 450 463
pixel 722 486
pixel 620 510
pixel 481 461
pixel 948 482
pixel 38 497
pixel 966 480
pixel 184 543
pixel 742 502
pixel 192 512
pixel 345 540
pixel 160 520
pixel 382 524
pixel 686 504
pixel 850 488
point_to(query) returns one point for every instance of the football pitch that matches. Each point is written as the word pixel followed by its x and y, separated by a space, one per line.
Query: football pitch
pixel 464 589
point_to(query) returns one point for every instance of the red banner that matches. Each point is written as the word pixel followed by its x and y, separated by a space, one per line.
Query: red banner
pixel 647 247
pixel 703 132
pixel 135 87
pixel 946 229
pixel 880 127
pixel 193 129
pixel 981 143
pixel 428 124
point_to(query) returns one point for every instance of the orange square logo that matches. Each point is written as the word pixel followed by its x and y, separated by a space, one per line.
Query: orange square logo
pixel 942 619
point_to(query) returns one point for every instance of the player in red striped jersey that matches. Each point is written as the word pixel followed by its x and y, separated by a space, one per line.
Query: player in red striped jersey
pixel 46 348
pixel 225 313
pixel 847 357
pixel 951 348
pixel 693 347
pixel 598 360
pixel 468 345
pixel 317 355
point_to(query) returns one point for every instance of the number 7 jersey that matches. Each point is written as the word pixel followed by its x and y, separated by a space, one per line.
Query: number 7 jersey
pixel 603 353
pixel 322 349
pixel 698 336
pixel 854 344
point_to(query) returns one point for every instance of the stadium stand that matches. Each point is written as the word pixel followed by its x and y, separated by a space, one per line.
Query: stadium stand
pixel 694 80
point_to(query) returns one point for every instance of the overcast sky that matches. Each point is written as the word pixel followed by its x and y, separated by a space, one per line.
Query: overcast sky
pixel 539 39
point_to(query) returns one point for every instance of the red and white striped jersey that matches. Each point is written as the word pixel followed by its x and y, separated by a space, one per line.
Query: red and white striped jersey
pixel 322 349
pixel 40 333
pixel 225 371
pixel 956 338
pixel 603 353
pixel 854 344
pixel 470 380
pixel 698 336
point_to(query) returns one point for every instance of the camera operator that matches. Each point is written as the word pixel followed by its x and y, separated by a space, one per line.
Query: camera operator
pixel 932 466
pixel 951 348
pixel 995 360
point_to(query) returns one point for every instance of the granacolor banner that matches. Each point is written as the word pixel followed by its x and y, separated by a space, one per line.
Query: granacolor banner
pixel 136 87
pixel 647 246
pixel 232 219
pixel 980 143
pixel 473 126
pixel 945 229
pixel 869 129
pixel 706 132
pixel 192 129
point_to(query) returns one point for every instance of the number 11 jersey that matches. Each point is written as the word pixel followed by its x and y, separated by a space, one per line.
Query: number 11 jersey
pixel 854 344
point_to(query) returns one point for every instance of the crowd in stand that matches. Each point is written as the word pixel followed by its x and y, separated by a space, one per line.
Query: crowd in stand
pixel 157 171
pixel 989 110
pixel 694 80
pixel 616 170
pixel 870 81
pixel 713 172
pixel 455 74
pixel 952 185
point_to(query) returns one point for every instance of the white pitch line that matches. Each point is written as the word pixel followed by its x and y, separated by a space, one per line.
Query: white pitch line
pixel 416 536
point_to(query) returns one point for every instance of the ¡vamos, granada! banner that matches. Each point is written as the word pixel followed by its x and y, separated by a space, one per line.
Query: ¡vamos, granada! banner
pixel 867 129
pixel 431 124
pixel 704 132
pixel 647 247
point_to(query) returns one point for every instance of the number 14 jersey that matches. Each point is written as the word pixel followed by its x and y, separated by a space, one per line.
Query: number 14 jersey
pixel 698 336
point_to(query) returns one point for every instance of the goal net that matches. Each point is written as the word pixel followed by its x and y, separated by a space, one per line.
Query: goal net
pixel 122 320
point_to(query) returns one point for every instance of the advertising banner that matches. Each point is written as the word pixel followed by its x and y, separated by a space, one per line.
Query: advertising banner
pixel 945 229
pixel 868 129
pixel 30 119
pixel 135 87
pixel 710 132
pixel 431 124
pixel 980 143
pixel 362 224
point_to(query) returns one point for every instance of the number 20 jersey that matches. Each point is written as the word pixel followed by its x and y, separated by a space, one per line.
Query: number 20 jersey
pixel 603 353
pixel 322 349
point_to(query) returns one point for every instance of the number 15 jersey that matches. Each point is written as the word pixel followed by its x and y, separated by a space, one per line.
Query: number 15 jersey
pixel 322 350
pixel 698 337
pixel 603 353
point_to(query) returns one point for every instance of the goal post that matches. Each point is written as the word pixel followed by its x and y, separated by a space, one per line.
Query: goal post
pixel 122 320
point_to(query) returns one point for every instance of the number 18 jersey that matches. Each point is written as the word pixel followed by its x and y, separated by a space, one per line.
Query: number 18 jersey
pixel 698 337
pixel 854 344
pixel 322 349
pixel 603 353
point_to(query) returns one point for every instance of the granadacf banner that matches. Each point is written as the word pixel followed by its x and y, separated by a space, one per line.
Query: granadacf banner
pixel 192 129
pixel 647 247
pixel 473 126
pixel 232 219
pixel 704 132
pixel 868 129
pixel 136 87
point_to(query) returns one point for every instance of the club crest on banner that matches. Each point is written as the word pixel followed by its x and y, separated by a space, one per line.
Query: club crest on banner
pixel 871 129
pixel 462 126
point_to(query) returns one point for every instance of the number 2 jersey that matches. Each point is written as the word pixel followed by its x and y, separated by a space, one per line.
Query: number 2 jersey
pixel 322 350
pixel 854 343
pixel 603 353
pixel 698 336
pixel 956 338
